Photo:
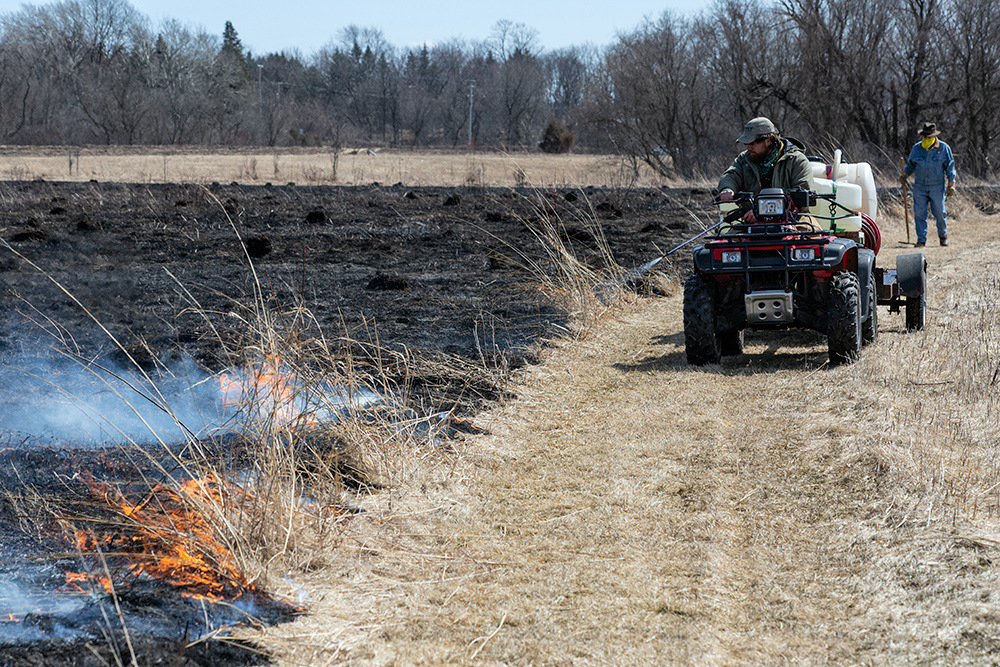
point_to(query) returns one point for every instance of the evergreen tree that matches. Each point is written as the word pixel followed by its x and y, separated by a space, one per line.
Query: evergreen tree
pixel 232 48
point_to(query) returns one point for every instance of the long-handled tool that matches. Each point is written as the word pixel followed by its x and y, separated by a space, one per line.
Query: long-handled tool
pixel 906 206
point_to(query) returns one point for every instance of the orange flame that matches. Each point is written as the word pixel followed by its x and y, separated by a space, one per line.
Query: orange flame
pixel 171 540
pixel 75 581
pixel 269 391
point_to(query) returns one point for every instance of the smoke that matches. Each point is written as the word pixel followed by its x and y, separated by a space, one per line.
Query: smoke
pixel 17 601
pixel 63 401
pixel 72 402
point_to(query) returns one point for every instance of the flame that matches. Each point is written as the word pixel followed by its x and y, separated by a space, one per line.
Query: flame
pixel 269 391
pixel 76 580
pixel 168 533
pixel 168 538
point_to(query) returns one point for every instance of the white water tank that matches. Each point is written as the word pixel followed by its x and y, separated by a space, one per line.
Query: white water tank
pixel 858 173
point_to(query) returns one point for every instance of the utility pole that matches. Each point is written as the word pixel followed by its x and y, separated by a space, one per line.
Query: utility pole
pixel 472 86
pixel 260 90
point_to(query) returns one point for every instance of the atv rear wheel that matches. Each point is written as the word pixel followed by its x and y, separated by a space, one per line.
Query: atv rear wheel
pixel 916 312
pixel 869 328
pixel 700 340
pixel 844 318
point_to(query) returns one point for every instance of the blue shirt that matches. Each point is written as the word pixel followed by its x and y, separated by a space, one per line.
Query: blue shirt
pixel 931 166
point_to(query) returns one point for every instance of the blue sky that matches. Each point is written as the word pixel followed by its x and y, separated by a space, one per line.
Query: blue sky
pixel 266 26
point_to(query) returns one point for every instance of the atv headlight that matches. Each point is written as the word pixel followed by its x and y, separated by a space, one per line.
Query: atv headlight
pixel 771 207
pixel 732 256
pixel 803 254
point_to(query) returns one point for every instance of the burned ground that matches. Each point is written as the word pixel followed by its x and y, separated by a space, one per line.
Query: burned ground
pixel 436 273
pixel 398 264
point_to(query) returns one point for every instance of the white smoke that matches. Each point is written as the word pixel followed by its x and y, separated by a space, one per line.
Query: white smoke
pixel 72 402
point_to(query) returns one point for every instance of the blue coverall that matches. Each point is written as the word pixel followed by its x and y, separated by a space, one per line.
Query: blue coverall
pixel 934 168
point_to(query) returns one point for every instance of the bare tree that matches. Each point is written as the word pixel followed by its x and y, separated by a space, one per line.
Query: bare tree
pixel 522 94
pixel 568 71
pixel 179 73
pixel 974 51
pixel 754 63
pixel 841 87
pixel 916 53
pixel 508 38
pixel 639 95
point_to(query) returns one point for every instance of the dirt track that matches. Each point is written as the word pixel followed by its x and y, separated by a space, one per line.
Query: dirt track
pixel 629 509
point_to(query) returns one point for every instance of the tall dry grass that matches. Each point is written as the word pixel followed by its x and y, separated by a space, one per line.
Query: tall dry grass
pixel 572 263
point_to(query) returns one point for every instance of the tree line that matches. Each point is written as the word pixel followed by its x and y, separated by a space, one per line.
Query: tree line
pixel 672 93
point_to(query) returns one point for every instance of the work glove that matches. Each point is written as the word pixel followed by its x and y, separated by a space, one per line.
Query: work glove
pixel 903 177
pixel 950 190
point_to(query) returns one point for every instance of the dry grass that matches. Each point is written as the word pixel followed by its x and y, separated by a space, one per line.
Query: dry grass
pixel 582 278
pixel 629 509
pixel 323 167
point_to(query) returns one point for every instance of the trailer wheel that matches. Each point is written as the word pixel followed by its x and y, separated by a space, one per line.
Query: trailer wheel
pixel 869 328
pixel 700 340
pixel 730 342
pixel 916 312
pixel 844 324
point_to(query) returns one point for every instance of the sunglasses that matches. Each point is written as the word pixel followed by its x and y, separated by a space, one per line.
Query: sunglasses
pixel 756 141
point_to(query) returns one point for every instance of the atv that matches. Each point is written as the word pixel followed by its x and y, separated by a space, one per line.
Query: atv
pixel 771 266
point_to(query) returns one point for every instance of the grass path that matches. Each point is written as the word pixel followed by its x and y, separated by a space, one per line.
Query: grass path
pixel 628 509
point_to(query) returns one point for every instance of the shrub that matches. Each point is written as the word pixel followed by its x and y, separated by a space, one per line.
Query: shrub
pixel 556 138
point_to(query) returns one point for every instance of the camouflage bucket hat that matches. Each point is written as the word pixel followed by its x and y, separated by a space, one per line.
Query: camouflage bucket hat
pixel 756 127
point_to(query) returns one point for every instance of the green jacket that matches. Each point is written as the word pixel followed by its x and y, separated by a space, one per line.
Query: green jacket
pixel 791 172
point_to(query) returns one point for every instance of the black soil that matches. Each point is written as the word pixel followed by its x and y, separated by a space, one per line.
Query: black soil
pixel 167 269
pixel 400 266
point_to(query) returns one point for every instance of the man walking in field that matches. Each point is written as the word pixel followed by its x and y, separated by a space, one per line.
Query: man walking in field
pixel 768 162
pixel 932 162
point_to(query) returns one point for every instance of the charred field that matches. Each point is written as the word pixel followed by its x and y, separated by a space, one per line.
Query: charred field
pixel 154 279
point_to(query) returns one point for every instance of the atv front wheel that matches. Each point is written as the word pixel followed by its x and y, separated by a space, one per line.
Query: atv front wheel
pixel 700 340
pixel 916 312
pixel 844 318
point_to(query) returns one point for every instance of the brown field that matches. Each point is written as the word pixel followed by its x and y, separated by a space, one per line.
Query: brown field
pixel 622 507
pixel 354 166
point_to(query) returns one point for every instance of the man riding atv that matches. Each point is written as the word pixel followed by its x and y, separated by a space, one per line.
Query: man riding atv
pixel 768 162
pixel 777 269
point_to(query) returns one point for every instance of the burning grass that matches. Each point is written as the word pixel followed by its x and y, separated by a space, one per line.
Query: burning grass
pixel 165 536
pixel 310 428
